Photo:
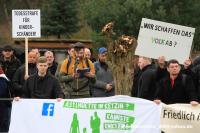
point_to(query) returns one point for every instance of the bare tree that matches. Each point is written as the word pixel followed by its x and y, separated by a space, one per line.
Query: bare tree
pixel 120 59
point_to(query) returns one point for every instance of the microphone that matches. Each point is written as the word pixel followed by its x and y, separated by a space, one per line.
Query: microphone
pixel 77 60
pixel 76 64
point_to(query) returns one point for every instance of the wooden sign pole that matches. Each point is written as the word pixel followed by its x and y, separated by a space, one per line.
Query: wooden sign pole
pixel 26 56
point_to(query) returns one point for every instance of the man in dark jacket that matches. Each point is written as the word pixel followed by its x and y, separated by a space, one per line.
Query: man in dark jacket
pixel 20 77
pixel 42 85
pixel 146 83
pixel 104 85
pixel 9 62
pixel 176 87
pixel 196 78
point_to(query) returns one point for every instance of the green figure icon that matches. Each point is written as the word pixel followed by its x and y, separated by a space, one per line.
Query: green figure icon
pixel 84 130
pixel 75 124
pixel 95 123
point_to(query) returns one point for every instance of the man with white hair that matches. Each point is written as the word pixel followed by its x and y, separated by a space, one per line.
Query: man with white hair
pixel 52 65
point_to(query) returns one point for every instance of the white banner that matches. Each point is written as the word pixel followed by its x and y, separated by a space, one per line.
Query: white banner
pixel 158 38
pixel 180 118
pixel 92 115
pixel 26 23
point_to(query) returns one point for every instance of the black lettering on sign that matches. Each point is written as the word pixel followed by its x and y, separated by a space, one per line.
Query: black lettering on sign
pixel 26 27
pixel 26 19
pixel 26 33
pixel 148 26
pixel 26 13
pixel 186 33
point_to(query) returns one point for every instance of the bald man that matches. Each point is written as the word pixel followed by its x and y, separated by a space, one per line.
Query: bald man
pixel 36 50
pixel 88 54
pixel 20 77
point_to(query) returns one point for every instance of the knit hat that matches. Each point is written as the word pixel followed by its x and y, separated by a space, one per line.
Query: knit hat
pixel 7 47
pixel 78 45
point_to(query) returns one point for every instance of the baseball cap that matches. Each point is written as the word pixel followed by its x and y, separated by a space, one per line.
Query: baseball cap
pixel 102 50
pixel 7 48
pixel 78 45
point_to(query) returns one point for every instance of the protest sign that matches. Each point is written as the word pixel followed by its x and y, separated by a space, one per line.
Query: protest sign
pixel 180 118
pixel 158 38
pixel 26 23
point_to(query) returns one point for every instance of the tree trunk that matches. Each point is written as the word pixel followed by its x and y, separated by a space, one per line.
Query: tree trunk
pixel 121 65
pixel 120 59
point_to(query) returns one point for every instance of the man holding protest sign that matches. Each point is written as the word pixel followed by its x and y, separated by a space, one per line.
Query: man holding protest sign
pixel 20 77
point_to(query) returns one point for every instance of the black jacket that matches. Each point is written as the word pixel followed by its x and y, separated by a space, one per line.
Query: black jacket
pixel 46 87
pixel 196 78
pixel 4 92
pixel 18 78
pixel 10 67
pixel 53 68
pixel 137 73
pixel 146 86
pixel 182 92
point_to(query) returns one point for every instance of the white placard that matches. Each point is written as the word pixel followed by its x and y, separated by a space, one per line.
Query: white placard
pixel 26 23
pixel 180 118
pixel 158 38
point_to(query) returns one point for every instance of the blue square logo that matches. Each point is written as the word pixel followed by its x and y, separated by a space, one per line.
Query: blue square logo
pixel 48 109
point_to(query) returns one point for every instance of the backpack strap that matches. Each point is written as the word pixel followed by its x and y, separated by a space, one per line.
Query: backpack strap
pixel 69 62
pixel 87 63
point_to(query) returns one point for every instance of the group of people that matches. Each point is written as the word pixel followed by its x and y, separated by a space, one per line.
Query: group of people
pixel 81 76
pixel 78 76
pixel 167 82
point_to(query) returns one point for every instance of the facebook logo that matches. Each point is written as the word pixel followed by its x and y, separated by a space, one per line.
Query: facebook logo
pixel 48 109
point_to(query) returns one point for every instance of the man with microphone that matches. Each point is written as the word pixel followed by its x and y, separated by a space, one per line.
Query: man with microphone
pixel 77 73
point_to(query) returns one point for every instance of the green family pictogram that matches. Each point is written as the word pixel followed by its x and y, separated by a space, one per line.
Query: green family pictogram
pixel 75 124
pixel 95 123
